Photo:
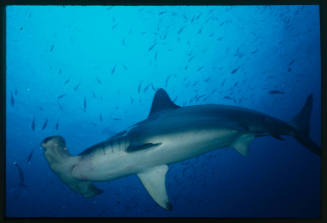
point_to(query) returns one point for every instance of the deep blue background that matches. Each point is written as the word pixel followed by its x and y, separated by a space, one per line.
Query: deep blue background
pixel 189 51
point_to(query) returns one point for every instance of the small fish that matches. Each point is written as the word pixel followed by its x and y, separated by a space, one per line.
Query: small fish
pixel 84 104
pixel 132 100
pixel 21 28
pixel 254 51
pixel 30 156
pixel 76 87
pixel 139 87
pixel 12 99
pixel 289 69
pixel 151 47
pixel 200 68
pixel 21 175
pixel 45 124
pixel 146 88
pixel 57 125
pixel 116 119
pixel 124 42
pixel 33 124
pixel 16 92
pixel 208 79
pixel 67 81
pixel 98 80
pixel 235 70
pixel 52 47
pixel 100 117
pixel 228 98
pixel 61 96
pixel 93 94
pixel 59 71
pixel 153 88
pixel 162 12
pixel 113 69
pixel 114 26
pixel 60 106
pixel 290 63
pixel 125 67
pixel 276 92
pixel 181 30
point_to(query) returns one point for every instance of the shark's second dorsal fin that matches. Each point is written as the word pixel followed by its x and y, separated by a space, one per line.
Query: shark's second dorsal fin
pixel 161 101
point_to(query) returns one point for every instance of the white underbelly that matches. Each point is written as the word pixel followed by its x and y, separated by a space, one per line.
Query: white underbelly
pixel 173 148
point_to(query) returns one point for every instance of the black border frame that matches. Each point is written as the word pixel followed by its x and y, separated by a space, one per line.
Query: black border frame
pixel 323 47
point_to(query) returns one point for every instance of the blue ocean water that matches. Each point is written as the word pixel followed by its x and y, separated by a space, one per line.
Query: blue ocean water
pixel 86 73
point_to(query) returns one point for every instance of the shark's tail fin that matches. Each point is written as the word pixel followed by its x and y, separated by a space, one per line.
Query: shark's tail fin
pixel 62 163
pixel 301 125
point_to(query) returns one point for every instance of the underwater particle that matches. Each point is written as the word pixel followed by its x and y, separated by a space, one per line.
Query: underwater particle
pixel 33 124
pixel 61 96
pixel 52 47
pixel 200 31
pixel 276 92
pixel 16 92
pixel 100 117
pixel 84 104
pixel 20 174
pixel 12 99
pixel 57 125
pixel 152 46
pixel 113 69
pixel 125 67
pixel 185 68
pixel 123 42
pixel 93 95
pixel 67 81
pixel 45 124
pixel 21 28
pixel 132 100
pixel 59 71
pixel 289 69
pixel 235 70
pixel 29 157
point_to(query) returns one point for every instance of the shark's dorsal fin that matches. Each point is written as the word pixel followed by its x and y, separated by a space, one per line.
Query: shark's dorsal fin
pixel 154 181
pixel 242 143
pixel 161 101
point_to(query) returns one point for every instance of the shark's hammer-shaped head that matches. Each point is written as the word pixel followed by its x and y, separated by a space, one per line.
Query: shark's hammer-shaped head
pixel 54 148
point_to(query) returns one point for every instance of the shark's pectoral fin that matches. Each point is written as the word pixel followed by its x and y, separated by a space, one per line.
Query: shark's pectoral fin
pixel 154 182
pixel 138 147
pixel 242 143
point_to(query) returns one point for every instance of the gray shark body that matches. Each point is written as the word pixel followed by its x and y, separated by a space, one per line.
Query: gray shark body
pixel 170 134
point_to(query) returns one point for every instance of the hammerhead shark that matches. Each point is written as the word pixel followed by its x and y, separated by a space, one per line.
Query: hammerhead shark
pixel 169 134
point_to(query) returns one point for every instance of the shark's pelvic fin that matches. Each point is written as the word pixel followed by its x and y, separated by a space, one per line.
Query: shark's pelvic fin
pixel 161 101
pixel 154 181
pixel 242 143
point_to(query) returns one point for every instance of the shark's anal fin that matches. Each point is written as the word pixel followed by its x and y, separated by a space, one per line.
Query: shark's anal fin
pixel 155 183
pixel 242 143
